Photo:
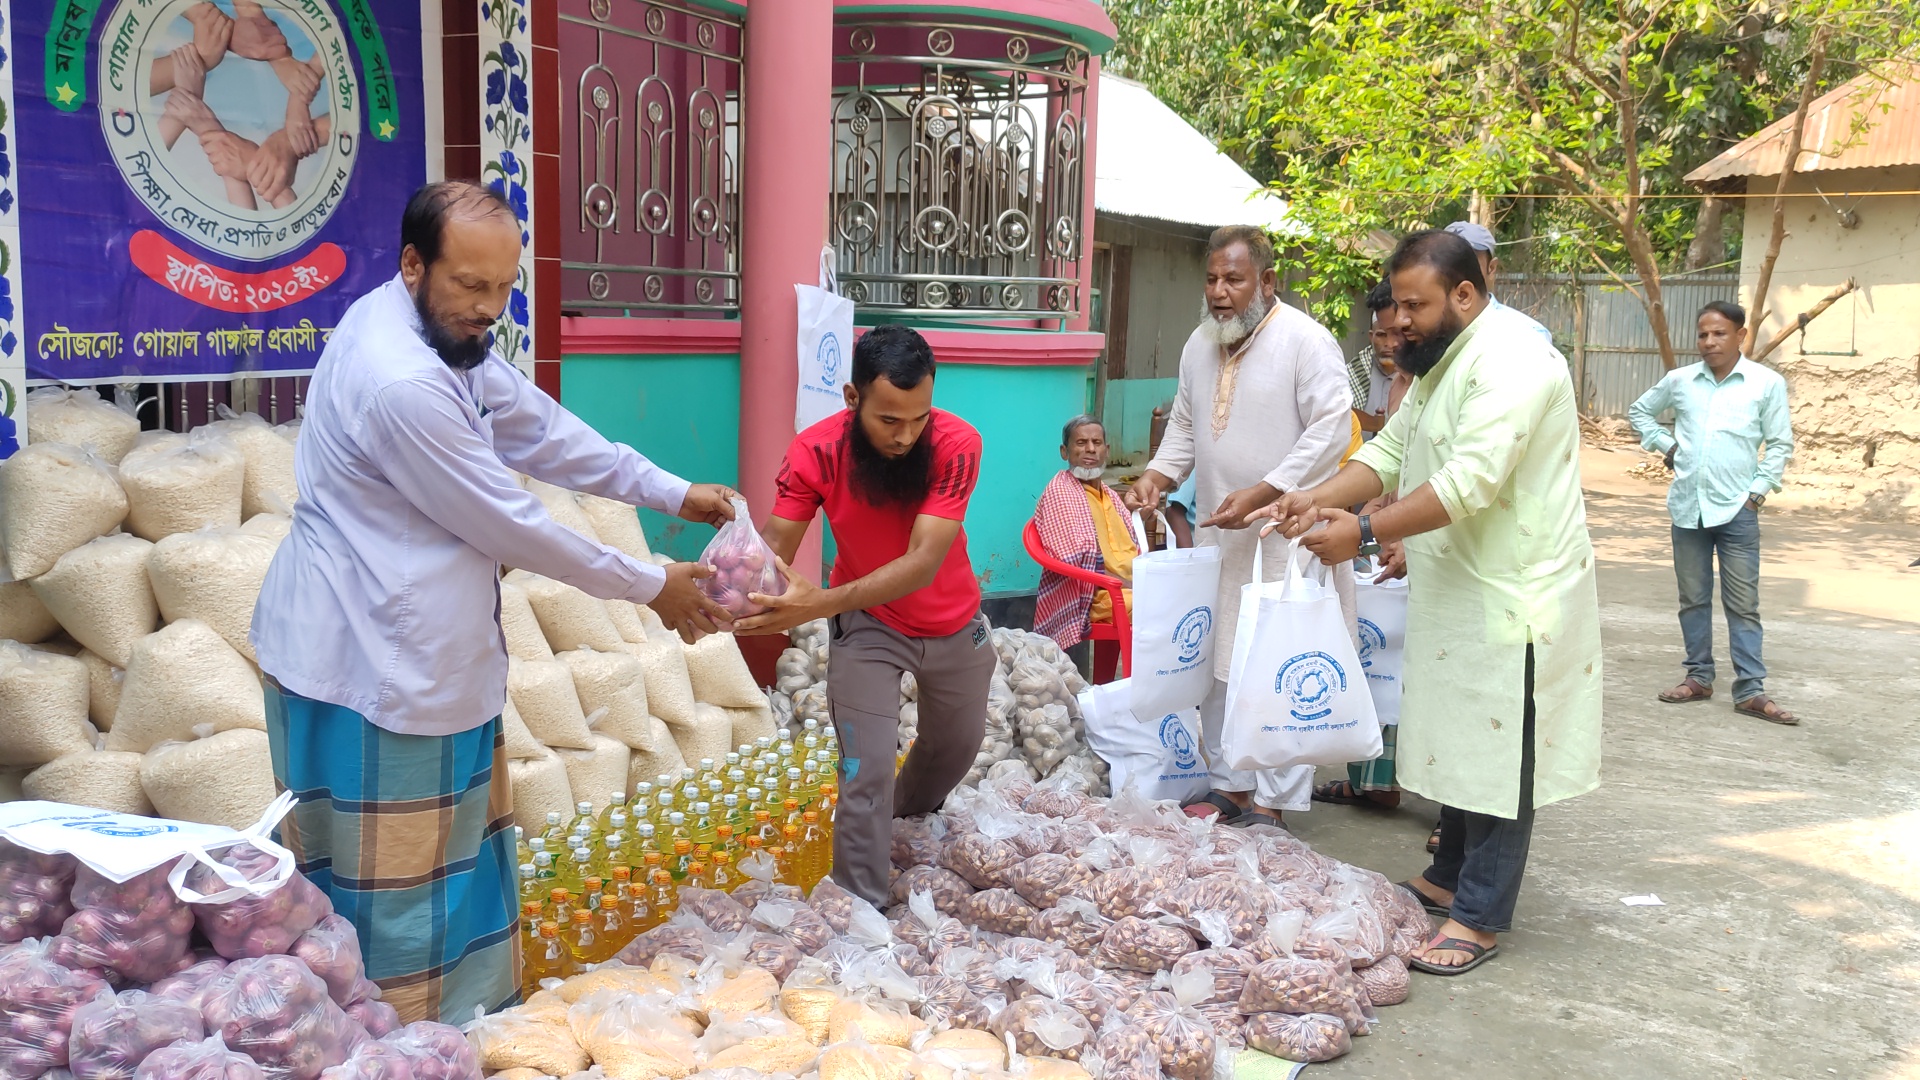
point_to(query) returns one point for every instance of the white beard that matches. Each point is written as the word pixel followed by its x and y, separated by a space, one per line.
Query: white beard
pixel 1227 333
pixel 1088 473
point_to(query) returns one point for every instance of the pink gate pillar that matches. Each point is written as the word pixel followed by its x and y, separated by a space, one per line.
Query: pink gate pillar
pixel 789 80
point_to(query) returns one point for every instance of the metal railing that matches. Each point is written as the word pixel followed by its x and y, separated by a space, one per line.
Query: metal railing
pixel 650 127
pixel 958 168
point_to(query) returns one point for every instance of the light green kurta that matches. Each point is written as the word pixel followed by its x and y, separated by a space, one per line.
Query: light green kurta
pixel 1494 429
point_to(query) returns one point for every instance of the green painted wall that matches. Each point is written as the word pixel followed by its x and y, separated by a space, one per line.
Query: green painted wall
pixel 1129 414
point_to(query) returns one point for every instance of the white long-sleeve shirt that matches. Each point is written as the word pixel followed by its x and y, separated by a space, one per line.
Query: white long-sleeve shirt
pixel 385 596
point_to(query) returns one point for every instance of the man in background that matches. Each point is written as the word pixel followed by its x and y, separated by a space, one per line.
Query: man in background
pixel 1480 239
pixel 1725 409
pixel 1082 522
pixel 1370 372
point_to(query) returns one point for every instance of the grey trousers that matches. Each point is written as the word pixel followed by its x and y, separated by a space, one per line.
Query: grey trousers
pixel 863 689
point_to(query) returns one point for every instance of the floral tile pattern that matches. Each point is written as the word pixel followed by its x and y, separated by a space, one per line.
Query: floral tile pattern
pixel 13 361
pixel 506 153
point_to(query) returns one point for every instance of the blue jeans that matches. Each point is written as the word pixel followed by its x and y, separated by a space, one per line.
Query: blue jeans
pixel 1737 543
pixel 1482 858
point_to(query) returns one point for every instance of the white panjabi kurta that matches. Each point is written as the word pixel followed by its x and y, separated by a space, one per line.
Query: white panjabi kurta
pixel 1288 422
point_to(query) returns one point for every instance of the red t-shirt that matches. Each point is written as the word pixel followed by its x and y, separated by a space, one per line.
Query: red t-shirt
pixel 817 473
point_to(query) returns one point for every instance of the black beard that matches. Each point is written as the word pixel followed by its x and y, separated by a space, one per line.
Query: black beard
pixel 459 353
pixel 890 481
pixel 1423 357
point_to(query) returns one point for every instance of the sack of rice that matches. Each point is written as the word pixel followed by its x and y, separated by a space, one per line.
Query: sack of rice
pixel 22 616
pixel 103 688
pixel 543 692
pixel 520 742
pixel 274 527
pixel 43 705
pixel 104 779
pixel 568 617
pixel 663 760
pixel 81 417
pixel 539 786
pixel 669 689
pixel 562 507
pixel 627 621
pixel 593 775
pixel 181 485
pixel 614 685
pixel 60 646
pixel 651 622
pixel 616 524
pixel 719 673
pixel 181 676
pixel 222 779
pixel 517 623
pixel 750 725
pixel 10 780
pixel 213 575
pixel 99 592
pixel 267 485
pixel 53 498
pixel 709 736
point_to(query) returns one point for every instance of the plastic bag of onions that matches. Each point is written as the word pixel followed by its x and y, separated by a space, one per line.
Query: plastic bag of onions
pixel 742 563
pixel 276 1011
pixel 38 998
pixel 33 892
pixel 133 931
pixel 208 1059
pixel 256 925
pixel 114 1033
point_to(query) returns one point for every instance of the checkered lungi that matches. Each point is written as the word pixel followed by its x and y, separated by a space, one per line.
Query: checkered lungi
pixel 1376 775
pixel 411 837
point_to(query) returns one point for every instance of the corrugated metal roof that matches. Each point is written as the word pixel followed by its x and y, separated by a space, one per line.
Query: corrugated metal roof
pixel 1149 163
pixel 1890 109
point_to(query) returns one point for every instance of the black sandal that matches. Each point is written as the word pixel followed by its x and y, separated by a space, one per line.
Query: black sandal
pixel 1478 953
pixel 1434 907
pixel 1330 792
pixel 1228 811
pixel 1433 841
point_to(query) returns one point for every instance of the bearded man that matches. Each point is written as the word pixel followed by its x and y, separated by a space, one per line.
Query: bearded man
pixel 1082 522
pixel 1263 408
pixel 894 475
pixel 378 625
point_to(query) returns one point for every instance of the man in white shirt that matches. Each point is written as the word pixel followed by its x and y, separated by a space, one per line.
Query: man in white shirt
pixel 378 631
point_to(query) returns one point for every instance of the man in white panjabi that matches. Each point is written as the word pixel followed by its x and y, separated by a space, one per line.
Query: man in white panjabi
pixel 1264 408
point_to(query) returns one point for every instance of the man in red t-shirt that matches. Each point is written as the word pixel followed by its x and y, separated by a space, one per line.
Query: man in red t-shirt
pixel 894 475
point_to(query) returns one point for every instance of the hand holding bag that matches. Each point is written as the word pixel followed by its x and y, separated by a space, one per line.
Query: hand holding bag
pixel 1175 593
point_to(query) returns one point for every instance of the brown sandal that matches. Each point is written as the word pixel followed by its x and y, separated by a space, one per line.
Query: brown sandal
pixel 1690 690
pixel 1767 709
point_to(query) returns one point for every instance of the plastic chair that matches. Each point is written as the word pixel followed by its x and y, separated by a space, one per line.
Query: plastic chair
pixel 1113 641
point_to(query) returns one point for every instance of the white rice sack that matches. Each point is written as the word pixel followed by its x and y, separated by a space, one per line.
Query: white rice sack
pixel 181 485
pixel 81 417
pixel 663 759
pixel 562 507
pixel 650 621
pixel 223 779
pixel 752 724
pixel 524 637
pixel 103 779
pixel 22 616
pixel 274 527
pixel 290 430
pixel 669 690
pixel 521 745
pixel 569 618
pixel 60 646
pixel 616 524
pixel 181 676
pixel 213 575
pixel 99 592
pixel 10 781
pixel 267 485
pixel 43 705
pixel 709 736
pixel 103 688
pixel 543 692
pixel 539 786
pixel 613 684
pixel 627 621
pixel 53 498
pixel 594 775
pixel 719 673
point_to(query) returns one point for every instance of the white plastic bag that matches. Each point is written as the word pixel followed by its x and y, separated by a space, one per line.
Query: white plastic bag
pixel 1174 596
pixel 1383 639
pixel 1295 693
pixel 825 347
pixel 120 847
pixel 1159 758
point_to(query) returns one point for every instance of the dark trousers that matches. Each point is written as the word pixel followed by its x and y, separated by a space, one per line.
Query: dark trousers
pixel 1482 858
pixel 863 689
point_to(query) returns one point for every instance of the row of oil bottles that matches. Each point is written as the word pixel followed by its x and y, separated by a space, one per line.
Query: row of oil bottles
pixel 591 885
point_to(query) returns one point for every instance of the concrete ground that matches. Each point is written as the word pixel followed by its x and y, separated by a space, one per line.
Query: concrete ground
pixel 1788 858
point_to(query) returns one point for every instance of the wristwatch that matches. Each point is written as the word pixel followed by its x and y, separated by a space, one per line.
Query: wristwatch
pixel 1756 500
pixel 1368 545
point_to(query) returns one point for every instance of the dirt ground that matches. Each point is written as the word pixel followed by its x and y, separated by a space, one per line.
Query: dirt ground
pixel 1788 858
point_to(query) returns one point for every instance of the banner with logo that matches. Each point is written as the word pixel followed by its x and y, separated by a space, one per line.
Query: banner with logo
pixel 208 184
pixel 1174 593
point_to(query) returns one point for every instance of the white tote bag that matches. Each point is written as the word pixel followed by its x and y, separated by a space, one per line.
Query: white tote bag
pixel 120 847
pixel 1158 757
pixel 1383 639
pixel 1174 596
pixel 1295 692
pixel 825 347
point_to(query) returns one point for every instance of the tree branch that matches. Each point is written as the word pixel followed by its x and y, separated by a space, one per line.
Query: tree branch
pixel 1796 133
pixel 1800 322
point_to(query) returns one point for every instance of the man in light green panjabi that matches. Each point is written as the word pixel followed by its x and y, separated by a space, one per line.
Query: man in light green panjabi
pixel 1501 707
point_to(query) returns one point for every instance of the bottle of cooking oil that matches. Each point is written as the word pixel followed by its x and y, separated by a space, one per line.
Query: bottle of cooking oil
pixel 809 787
pixel 676 831
pixel 582 815
pixel 725 878
pixel 549 959
pixel 699 876
pixel 830 806
pixel 786 858
pixel 726 842
pixel 529 884
pixel 543 872
pixel 560 905
pixel 583 939
pixel 664 897
pixel 640 806
pixel 650 863
pixel 749 847
pixel 701 829
pixel 611 921
pixel 816 858
pixel 530 919
pixel 664 809
pixel 682 856
pixel 790 812
pixel 579 869
pixel 638 911
pixel 733 814
pixel 765 830
pixel 556 830
pixel 646 841
pixel 589 899
pixel 616 803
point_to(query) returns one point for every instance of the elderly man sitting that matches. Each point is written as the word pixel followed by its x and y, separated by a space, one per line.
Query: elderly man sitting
pixel 1082 522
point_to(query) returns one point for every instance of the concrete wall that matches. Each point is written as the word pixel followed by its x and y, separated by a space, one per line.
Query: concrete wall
pixel 1854 375
pixel 1169 277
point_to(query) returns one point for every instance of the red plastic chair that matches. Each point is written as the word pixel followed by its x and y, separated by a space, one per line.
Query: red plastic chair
pixel 1111 641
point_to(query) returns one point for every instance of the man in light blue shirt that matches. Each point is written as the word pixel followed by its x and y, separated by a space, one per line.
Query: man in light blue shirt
pixel 1725 409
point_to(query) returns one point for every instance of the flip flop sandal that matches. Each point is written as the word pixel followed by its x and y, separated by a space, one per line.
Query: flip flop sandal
pixel 1329 793
pixel 1480 954
pixel 1433 908
pixel 1255 817
pixel 1695 691
pixel 1225 812
pixel 1766 710
pixel 1433 840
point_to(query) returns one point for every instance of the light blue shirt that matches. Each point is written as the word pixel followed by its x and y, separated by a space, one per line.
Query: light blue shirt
pixel 1502 311
pixel 1719 427
pixel 385 596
